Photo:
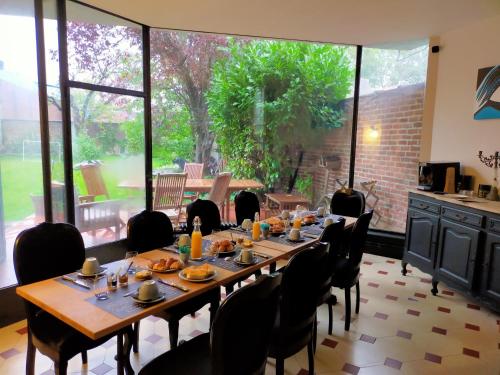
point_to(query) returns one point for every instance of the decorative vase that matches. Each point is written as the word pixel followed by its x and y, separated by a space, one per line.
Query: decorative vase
pixel 493 194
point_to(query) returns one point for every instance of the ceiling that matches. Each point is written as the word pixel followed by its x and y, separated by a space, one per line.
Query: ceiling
pixel 365 22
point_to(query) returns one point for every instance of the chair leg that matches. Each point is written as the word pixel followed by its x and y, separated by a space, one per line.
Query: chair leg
pixel 347 308
pixel 173 333
pixel 229 289
pixel 135 339
pixel 357 297
pixel 310 356
pixel 84 357
pixel 280 366
pixel 30 356
pixel 315 332
pixel 60 368
pixel 214 306
pixel 330 316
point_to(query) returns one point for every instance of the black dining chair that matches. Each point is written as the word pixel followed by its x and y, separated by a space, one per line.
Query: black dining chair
pixel 332 235
pixel 239 339
pixel 294 325
pixel 346 269
pixel 42 252
pixel 348 204
pixel 151 230
pixel 246 204
pixel 209 215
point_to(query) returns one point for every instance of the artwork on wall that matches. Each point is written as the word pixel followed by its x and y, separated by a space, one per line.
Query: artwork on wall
pixel 488 93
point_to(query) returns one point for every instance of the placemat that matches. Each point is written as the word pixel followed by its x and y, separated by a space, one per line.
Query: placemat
pixel 110 267
pixel 229 265
pixel 122 307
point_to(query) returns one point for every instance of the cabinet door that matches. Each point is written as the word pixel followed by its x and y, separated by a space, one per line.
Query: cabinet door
pixel 491 267
pixel 457 252
pixel 421 238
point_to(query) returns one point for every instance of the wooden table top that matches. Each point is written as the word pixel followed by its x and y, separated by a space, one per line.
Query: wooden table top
pixel 69 304
pixel 287 198
pixel 202 185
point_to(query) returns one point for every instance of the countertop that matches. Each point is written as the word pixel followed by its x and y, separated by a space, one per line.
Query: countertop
pixel 481 204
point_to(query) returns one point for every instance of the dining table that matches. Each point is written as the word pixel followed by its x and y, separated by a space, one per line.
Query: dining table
pixel 79 308
pixel 203 185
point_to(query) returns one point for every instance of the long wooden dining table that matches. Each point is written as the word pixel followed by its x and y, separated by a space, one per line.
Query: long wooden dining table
pixel 77 306
pixel 203 185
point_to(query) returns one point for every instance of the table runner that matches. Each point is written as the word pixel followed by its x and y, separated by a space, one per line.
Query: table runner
pixel 229 265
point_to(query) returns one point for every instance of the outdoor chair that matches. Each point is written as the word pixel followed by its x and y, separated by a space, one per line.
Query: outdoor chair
pixel 238 342
pixel 194 171
pixel 151 230
pixel 94 182
pixel 45 251
pixel 218 192
pixel 169 192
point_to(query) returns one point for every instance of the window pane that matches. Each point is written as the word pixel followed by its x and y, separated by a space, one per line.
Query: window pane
pixel 21 199
pixel 389 128
pixel 108 152
pixel 261 109
pixel 103 49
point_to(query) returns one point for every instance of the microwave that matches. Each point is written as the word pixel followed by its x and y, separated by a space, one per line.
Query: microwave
pixel 432 175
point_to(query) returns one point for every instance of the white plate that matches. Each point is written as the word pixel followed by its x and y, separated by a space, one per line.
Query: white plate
pixel 238 262
pixel 102 271
pixel 148 302
pixel 163 271
pixel 181 276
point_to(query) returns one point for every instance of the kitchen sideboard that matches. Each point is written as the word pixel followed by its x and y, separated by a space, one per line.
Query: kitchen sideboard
pixel 456 242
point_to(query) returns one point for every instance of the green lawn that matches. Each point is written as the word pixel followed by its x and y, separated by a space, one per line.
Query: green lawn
pixel 22 178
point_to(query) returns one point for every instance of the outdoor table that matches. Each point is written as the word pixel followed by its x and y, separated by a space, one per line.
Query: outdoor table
pixel 286 201
pixel 78 307
pixel 203 185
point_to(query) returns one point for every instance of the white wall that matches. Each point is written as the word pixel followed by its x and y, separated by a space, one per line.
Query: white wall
pixel 456 136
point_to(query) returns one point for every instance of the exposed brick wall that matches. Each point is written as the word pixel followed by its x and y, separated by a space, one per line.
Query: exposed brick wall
pixel 391 159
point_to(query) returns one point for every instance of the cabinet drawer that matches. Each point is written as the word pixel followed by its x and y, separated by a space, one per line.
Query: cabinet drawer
pixel 494 225
pixel 462 216
pixel 424 205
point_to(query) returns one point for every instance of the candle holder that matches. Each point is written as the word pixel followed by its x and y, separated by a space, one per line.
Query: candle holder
pixel 491 161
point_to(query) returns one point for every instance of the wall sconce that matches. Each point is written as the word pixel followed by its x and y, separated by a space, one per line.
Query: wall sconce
pixel 371 134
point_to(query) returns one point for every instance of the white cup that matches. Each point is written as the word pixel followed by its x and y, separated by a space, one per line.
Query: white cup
pixel 90 266
pixel 327 222
pixel 294 234
pixel 148 290
pixel 246 256
pixel 321 211
pixel 285 214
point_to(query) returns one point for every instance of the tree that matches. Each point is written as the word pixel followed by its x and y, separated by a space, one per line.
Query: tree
pixel 271 100
pixel 183 65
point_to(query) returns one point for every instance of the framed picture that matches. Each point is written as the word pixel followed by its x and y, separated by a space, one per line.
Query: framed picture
pixel 488 93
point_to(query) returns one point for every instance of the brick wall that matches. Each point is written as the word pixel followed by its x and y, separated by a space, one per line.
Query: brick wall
pixel 388 146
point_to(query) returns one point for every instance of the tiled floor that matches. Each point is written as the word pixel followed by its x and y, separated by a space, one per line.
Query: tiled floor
pixel 401 329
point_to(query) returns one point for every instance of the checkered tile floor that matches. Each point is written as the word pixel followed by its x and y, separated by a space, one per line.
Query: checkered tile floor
pixel 401 329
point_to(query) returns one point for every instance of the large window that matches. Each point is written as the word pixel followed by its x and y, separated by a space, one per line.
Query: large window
pixel 105 54
pixel 21 193
pixel 389 127
pixel 271 110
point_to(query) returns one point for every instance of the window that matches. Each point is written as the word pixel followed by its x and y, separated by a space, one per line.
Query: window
pixel 21 192
pixel 389 128
pixel 105 55
pixel 261 109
